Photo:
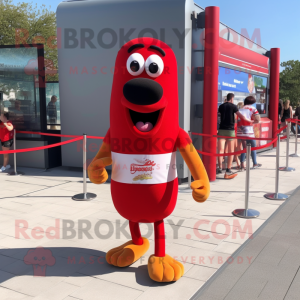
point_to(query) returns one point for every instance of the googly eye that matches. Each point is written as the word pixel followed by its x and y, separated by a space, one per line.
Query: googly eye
pixel 154 65
pixel 135 64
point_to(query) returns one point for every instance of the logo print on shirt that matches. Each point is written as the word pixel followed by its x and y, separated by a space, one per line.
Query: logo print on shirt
pixel 142 166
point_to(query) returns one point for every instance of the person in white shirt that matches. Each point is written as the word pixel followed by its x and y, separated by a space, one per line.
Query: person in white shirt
pixel 245 129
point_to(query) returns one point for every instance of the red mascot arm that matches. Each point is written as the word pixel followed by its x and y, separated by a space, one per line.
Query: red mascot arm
pixel 200 185
pixel 96 169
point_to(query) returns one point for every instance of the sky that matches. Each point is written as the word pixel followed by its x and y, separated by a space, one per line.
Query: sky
pixel 278 21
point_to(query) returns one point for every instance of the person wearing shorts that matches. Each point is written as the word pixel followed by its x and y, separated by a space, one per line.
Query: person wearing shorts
pixel 6 137
pixel 227 111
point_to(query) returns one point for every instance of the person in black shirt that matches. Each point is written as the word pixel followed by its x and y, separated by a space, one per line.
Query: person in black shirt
pixel 227 111
pixel 280 106
pixel 52 111
pixel 296 114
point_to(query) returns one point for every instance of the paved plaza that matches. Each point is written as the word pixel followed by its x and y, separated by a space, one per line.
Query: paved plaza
pixel 274 271
pixel 37 211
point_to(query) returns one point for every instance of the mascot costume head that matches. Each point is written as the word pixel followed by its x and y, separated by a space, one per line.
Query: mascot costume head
pixel 141 145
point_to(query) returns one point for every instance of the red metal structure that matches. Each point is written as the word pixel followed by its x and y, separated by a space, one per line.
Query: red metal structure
pixel 210 94
pixel 232 56
pixel 274 88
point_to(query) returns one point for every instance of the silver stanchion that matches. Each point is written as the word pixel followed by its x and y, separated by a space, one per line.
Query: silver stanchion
pixel 246 212
pixel 287 168
pixel 276 195
pixel 189 172
pixel 296 140
pixel 15 173
pixel 85 195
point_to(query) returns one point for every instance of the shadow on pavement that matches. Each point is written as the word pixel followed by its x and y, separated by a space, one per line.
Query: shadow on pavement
pixel 65 262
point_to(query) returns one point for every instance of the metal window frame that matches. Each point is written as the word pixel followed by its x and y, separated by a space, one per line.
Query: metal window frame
pixel 42 90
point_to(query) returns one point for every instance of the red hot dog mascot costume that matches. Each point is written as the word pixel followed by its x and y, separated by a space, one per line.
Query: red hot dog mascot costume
pixel 141 145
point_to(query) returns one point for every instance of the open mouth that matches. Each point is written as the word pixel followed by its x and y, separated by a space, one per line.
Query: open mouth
pixel 144 122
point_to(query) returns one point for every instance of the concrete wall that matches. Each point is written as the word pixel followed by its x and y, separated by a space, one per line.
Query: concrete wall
pixel 35 159
pixel 197 86
pixel 85 97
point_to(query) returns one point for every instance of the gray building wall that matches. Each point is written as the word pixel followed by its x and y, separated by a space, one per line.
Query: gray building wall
pixel 85 98
pixel 85 89
pixel 33 159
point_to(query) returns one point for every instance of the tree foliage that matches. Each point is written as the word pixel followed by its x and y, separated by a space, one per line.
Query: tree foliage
pixel 290 82
pixel 30 23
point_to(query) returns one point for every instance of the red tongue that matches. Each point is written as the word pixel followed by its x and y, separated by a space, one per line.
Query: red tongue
pixel 144 127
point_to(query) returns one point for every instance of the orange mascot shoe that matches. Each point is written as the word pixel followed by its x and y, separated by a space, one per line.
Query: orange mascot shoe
pixel 164 269
pixel 127 253
pixel 141 146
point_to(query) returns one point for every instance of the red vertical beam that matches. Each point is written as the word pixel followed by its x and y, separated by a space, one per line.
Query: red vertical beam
pixel 274 89
pixel 210 94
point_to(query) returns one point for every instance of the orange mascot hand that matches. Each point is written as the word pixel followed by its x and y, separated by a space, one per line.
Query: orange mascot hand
pixel 96 170
pixel 200 190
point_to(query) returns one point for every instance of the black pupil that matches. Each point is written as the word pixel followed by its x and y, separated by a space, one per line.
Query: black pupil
pixel 134 66
pixel 153 68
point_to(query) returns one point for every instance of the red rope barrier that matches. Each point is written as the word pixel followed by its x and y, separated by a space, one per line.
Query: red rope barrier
pixel 223 154
pixel 239 137
pixel 48 134
pixel 95 137
pixel 237 152
pixel 281 129
pixel 42 147
pixel 294 121
pixel 232 137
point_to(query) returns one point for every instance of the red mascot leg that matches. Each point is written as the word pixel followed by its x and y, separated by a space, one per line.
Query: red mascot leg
pixel 159 234
pixel 135 233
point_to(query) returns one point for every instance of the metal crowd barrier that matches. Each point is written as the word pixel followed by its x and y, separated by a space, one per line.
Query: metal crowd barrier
pixel 85 195
pixel 287 168
pixel 296 140
pixel 277 195
pixel 246 212
pixel 243 213
pixel 79 197
pixel 15 173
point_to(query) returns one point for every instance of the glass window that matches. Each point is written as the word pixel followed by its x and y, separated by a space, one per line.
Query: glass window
pixel 53 106
pixel 242 85
pixel 18 78
pixel 223 31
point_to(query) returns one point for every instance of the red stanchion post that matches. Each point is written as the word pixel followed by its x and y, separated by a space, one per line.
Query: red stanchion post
pixel 85 195
pixel 15 173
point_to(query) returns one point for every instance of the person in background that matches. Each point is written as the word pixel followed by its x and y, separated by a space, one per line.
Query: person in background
pixel 251 85
pixel 228 111
pixel 280 107
pixel 296 114
pixel 240 105
pixel 52 111
pixel 286 113
pixel 245 129
pixel 238 146
pixel 6 137
pixel 16 115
